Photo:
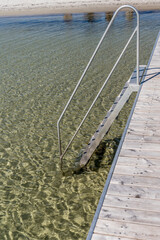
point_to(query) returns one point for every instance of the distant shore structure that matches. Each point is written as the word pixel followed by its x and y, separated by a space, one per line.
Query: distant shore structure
pixel 42 7
pixel 91 17
pixel 109 16
pixel 67 17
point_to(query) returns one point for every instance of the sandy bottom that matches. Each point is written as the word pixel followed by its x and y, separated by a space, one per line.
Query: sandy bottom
pixel 28 7
pixel 42 58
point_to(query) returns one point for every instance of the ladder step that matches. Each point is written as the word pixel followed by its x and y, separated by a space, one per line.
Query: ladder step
pixel 121 99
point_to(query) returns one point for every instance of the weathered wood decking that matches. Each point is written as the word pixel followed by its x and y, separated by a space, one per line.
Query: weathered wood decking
pixel 129 207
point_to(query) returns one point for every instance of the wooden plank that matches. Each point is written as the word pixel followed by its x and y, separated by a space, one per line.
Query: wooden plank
pixel 141 128
pixel 149 171
pixel 145 104
pixel 130 230
pixel 107 237
pixel 131 161
pixel 134 191
pixel 144 129
pixel 133 129
pixel 148 123
pixel 148 93
pixel 130 215
pixel 154 83
pixel 132 203
pixel 143 181
pixel 140 116
pixel 152 110
pixel 140 153
pixel 147 98
pixel 142 145
pixel 140 138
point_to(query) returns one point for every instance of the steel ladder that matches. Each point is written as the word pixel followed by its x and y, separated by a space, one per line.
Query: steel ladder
pixel 132 85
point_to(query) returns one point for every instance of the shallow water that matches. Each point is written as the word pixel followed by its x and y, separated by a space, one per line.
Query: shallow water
pixel 42 59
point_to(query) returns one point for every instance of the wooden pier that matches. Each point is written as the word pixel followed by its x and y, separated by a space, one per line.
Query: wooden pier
pixel 129 207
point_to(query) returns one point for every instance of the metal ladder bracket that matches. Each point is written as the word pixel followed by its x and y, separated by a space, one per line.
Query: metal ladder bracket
pixel 133 79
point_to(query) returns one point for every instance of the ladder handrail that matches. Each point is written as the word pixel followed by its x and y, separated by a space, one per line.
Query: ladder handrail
pixel 84 73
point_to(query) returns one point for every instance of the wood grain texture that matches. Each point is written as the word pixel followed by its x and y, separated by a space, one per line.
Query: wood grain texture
pixel 107 237
pixel 149 171
pixel 130 215
pixel 132 203
pixel 134 191
pixel 139 161
pixel 142 181
pixel 130 230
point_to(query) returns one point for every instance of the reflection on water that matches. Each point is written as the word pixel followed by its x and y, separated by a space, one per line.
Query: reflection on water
pixel 90 17
pixel 67 17
pixel 129 15
pixel 41 61
pixel 109 16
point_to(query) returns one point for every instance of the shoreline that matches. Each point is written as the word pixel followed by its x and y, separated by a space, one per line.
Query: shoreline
pixel 46 7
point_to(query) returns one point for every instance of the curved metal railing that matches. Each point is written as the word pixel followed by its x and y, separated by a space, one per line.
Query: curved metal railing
pixel 86 69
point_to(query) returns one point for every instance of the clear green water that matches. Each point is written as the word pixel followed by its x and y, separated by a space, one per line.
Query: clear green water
pixel 42 58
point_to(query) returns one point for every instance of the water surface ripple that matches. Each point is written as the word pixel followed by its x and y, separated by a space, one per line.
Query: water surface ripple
pixel 42 59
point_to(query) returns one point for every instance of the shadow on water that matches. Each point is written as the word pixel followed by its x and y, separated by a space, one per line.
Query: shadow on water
pixel 109 145
pixel 97 159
